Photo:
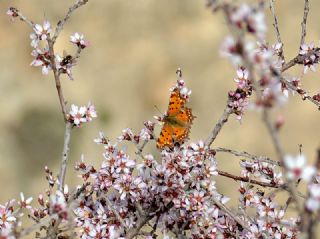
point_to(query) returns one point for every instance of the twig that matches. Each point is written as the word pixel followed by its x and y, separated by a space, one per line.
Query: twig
pixel 291 86
pixel 274 135
pixel 276 27
pixel 248 155
pixel 65 155
pixel 279 150
pixel 22 17
pixel 223 119
pixel 248 180
pixel 230 214
pixel 61 23
pixel 299 59
pixel 57 79
pixel 304 22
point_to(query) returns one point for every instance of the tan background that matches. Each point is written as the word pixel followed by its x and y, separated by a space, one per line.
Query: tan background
pixel 135 49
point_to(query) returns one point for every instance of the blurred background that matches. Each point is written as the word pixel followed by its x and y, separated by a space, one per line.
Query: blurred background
pixel 136 47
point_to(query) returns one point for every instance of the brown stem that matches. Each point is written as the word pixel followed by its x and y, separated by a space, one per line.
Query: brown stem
pixel 61 23
pixel 304 22
pixel 248 180
pixel 248 155
pixel 223 119
pixel 276 27
pixel 65 155
pixel 57 79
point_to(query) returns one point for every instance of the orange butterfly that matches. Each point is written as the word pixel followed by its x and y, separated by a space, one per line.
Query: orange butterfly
pixel 177 122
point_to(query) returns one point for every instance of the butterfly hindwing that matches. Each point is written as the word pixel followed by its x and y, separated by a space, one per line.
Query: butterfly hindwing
pixel 165 138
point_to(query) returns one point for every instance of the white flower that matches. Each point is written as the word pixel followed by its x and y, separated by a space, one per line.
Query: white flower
pixel 78 39
pixel 43 31
pixel 313 202
pixel 91 112
pixel 78 114
pixel 297 169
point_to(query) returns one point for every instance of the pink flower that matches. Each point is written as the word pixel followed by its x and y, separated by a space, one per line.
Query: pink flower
pixel 297 168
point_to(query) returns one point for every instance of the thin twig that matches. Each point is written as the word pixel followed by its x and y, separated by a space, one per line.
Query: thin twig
pixel 299 59
pixel 304 22
pixel 248 180
pixel 61 23
pixel 57 79
pixel 230 214
pixel 223 119
pixel 276 27
pixel 248 155
pixel 65 155
pixel 274 135
pixel 291 86
pixel 22 17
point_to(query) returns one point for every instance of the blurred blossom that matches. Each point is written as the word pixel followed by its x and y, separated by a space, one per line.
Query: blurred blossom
pixel 297 168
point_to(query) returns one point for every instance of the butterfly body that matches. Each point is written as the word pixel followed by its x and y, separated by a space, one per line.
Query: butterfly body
pixel 177 122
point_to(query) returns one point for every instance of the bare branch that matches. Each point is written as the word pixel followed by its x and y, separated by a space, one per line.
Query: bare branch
pixel 22 17
pixel 304 22
pixel 299 59
pixel 57 79
pixel 248 155
pixel 248 180
pixel 276 27
pixel 65 155
pixel 223 119
pixel 61 23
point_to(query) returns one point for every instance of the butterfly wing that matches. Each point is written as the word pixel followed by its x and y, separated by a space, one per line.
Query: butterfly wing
pixel 176 103
pixel 177 122
pixel 185 117
pixel 181 130
pixel 166 137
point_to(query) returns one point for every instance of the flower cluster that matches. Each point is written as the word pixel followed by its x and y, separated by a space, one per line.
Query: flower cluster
pixel 43 55
pixel 266 171
pixel 82 114
pixel 238 99
pixel 297 168
pixel 311 56
pixel 250 19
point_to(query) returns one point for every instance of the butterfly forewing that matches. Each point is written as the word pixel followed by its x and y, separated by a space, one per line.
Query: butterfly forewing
pixel 176 103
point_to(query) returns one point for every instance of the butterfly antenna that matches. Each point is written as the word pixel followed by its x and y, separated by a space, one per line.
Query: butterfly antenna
pixel 158 109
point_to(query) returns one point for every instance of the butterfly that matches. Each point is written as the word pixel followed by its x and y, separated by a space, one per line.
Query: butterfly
pixel 177 122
